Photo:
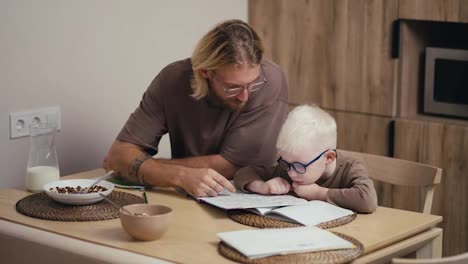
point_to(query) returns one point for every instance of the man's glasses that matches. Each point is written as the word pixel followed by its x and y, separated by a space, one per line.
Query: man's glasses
pixel 235 90
pixel 297 166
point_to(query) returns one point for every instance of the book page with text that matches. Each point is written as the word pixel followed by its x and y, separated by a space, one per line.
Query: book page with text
pixel 240 200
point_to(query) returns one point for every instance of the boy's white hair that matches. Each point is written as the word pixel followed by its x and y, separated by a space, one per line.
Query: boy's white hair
pixel 307 126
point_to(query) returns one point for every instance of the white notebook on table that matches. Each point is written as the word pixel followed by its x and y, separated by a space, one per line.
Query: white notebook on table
pixel 260 243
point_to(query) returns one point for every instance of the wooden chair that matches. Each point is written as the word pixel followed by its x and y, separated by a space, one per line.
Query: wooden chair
pixel 458 259
pixel 401 172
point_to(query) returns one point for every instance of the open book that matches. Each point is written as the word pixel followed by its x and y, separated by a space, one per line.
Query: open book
pixel 282 241
pixel 284 207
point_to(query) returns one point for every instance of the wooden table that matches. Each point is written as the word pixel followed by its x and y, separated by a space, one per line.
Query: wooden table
pixel 192 238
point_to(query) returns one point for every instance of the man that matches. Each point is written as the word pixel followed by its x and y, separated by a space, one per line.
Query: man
pixel 222 108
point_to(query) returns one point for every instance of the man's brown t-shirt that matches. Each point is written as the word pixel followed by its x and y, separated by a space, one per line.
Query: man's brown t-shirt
pixel 204 127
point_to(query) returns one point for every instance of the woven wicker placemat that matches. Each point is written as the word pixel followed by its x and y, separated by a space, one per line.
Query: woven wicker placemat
pixel 251 219
pixel 40 205
pixel 325 257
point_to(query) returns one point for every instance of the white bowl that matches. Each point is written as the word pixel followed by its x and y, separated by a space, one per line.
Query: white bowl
pixel 77 198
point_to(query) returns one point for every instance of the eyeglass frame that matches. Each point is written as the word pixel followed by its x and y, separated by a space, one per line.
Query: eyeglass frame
pixel 241 88
pixel 280 161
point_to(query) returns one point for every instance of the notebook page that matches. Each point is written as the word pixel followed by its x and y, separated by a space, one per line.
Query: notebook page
pixel 314 212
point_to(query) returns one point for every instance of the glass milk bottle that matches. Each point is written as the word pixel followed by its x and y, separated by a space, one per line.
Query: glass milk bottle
pixel 42 162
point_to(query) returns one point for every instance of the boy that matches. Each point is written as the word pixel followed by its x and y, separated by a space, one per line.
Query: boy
pixel 310 166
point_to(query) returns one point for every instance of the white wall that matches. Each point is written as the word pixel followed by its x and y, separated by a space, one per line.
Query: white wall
pixel 94 58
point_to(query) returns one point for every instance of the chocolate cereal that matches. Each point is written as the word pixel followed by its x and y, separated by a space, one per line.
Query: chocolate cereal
pixel 78 190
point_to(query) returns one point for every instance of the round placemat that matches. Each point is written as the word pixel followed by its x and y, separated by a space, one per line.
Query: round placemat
pixel 40 205
pixel 251 219
pixel 325 257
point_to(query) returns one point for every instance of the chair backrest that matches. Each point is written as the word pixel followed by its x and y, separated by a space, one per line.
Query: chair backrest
pixel 458 259
pixel 401 172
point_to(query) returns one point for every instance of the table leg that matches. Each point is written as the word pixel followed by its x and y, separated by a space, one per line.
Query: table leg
pixel 432 249
pixel 428 242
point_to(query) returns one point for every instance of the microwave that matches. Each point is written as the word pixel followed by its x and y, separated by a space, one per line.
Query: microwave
pixel 446 82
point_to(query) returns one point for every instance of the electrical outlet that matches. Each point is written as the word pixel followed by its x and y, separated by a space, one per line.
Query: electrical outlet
pixel 20 121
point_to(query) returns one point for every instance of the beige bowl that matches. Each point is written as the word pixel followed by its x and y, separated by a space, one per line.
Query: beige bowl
pixel 151 225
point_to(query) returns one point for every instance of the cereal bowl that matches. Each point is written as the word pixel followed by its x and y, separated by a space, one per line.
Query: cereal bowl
pixel 147 221
pixel 77 198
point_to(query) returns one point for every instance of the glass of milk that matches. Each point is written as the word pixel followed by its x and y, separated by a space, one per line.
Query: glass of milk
pixel 43 164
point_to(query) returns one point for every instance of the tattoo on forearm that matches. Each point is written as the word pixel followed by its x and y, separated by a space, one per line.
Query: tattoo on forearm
pixel 134 169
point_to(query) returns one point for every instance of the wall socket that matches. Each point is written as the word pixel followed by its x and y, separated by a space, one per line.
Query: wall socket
pixel 20 121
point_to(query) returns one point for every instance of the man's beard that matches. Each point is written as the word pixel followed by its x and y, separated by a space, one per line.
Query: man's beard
pixel 233 105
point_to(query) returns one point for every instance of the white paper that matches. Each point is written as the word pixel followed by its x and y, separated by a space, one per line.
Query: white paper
pixel 269 242
pixel 239 200
pixel 312 213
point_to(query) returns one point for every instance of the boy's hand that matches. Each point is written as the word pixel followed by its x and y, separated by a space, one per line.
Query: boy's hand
pixel 276 185
pixel 310 191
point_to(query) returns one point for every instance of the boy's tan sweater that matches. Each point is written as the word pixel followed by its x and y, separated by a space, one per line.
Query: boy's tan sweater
pixel 349 185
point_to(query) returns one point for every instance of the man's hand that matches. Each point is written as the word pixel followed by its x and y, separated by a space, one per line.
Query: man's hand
pixel 205 182
pixel 276 185
pixel 310 191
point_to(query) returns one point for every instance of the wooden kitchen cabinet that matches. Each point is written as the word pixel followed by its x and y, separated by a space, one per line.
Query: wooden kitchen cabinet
pixel 363 133
pixel 463 11
pixel 336 53
pixel 434 10
pixel 443 145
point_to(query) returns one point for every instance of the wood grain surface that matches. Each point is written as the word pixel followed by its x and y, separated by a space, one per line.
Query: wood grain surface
pixel 444 146
pixel 336 53
pixel 436 10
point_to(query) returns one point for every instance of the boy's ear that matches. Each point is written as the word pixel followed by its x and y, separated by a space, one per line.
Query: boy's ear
pixel 331 156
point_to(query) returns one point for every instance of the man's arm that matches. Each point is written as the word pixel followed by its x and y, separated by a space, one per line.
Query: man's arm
pixel 198 176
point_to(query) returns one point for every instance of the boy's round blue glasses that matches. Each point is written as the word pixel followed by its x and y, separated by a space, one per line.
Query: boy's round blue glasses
pixel 297 166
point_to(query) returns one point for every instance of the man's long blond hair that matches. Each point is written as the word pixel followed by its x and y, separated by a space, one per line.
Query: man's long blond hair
pixel 230 43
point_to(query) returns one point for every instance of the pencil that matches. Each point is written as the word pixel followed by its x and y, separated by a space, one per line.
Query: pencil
pixel 145 198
